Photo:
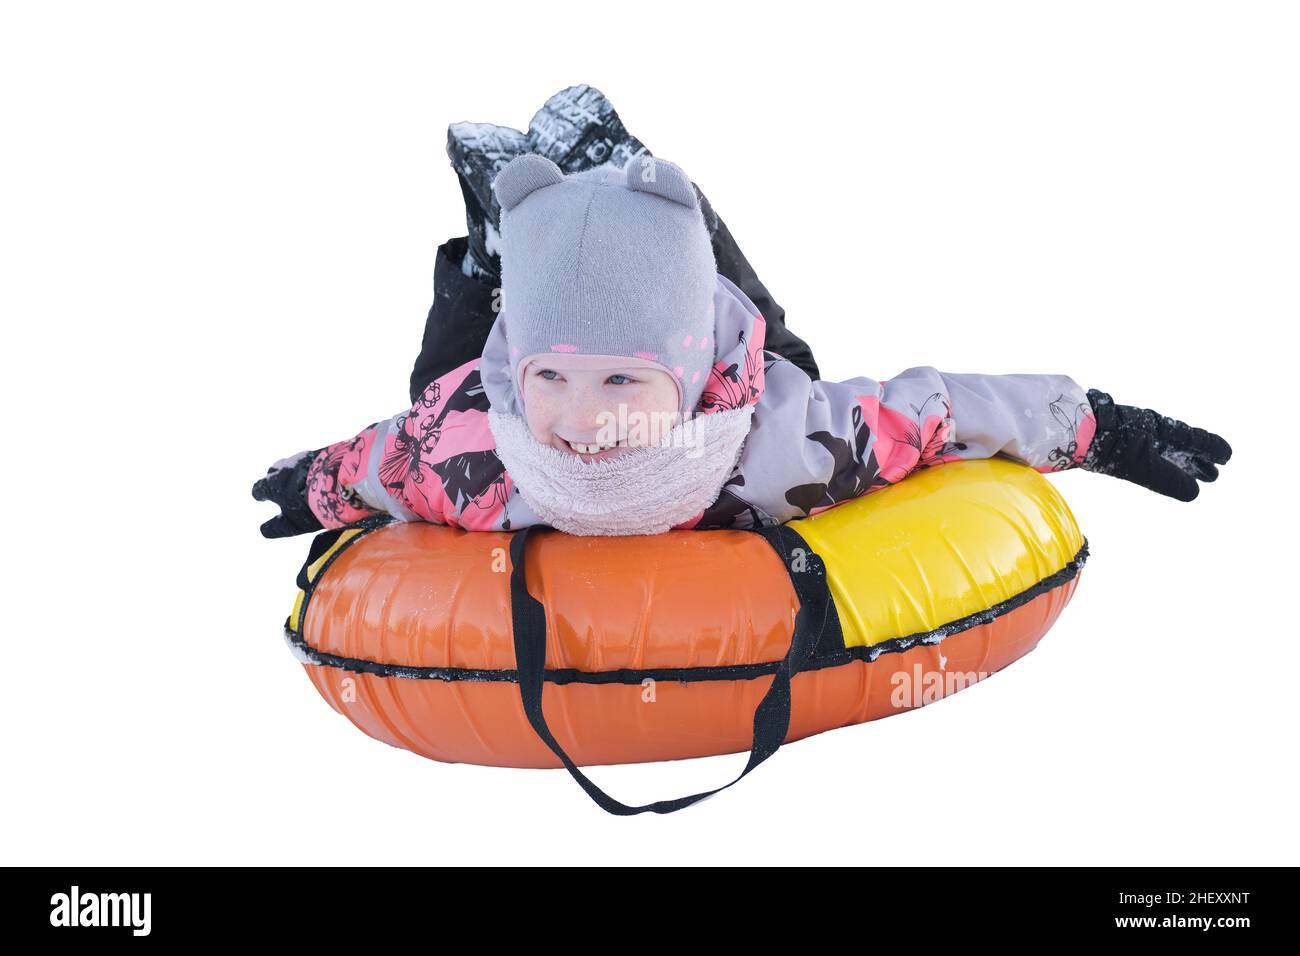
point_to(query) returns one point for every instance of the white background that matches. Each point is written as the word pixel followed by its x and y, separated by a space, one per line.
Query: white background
pixel 218 235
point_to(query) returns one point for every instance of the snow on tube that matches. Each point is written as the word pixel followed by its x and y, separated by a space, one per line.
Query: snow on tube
pixel 542 649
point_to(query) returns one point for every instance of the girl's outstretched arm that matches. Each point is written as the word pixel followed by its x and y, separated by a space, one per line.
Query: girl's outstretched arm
pixel 434 462
pixel 318 489
pixel 340 483
pixel 817 444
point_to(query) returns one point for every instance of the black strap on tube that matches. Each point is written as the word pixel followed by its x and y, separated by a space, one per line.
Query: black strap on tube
pixel 771 718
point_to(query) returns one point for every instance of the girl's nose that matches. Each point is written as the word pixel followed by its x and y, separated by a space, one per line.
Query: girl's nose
pixel 588 413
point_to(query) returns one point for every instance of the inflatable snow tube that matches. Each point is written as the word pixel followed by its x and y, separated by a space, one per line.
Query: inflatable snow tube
pixel 541 649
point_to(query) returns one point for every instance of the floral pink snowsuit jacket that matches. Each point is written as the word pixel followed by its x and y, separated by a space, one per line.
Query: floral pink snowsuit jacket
pixel 812 444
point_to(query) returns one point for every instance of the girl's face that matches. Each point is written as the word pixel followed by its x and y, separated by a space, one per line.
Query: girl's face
pixel 598 413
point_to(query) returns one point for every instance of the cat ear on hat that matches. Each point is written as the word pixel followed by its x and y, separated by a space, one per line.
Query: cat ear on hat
pixel 647 174
pixel 522 176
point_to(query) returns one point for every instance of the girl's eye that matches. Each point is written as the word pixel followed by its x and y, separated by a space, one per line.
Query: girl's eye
pixel 546 373
pixel 625 379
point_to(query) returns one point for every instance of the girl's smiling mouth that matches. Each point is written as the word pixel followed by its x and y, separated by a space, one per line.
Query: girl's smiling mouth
pixel 593 451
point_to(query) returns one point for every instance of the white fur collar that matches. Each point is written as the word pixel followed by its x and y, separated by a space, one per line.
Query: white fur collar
pixel 645 490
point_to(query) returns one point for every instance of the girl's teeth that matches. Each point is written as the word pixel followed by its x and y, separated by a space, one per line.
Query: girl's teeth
pixel 589 449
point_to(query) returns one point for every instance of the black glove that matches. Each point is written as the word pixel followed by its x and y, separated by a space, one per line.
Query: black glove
pixel 1153 450
pixel 285 484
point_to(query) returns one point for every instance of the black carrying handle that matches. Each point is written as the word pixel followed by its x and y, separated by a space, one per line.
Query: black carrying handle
pixel 326 539
pixel 771 717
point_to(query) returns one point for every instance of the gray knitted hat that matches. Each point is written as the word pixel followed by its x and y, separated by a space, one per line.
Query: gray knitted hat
pixel 608 262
